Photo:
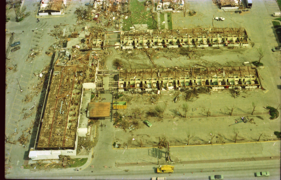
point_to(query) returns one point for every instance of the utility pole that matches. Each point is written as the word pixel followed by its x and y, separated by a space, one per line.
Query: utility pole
pixel 19 86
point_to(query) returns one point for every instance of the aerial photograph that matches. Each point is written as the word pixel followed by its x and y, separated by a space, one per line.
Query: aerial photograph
pixel 143 89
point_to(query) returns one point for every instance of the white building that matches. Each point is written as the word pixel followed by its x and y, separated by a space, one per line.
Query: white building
pixel 52 7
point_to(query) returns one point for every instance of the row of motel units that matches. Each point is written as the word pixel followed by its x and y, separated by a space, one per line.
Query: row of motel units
pixel 176 78
pixel 52 7
pixel 197 37
pixel 165 4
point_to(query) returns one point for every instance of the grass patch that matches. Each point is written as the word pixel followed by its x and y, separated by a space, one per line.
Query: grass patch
pixel 256 63
pixel 71 163
pixel 276 24
pixel 278 19
pixel 79 162
pixel 278 32
pixel 277 134
pixel 273 112
pixel 92 96
pixel 170 23
pixel 162 18
pixel 139 15
pixel 279 3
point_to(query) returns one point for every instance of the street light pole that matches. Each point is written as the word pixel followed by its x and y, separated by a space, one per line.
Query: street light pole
pixel 19 86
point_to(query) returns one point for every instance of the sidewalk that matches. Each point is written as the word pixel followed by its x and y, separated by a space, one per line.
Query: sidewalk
pixel 186 154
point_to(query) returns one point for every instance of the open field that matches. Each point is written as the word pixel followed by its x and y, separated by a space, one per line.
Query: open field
pixel 175 127
pixel 139 15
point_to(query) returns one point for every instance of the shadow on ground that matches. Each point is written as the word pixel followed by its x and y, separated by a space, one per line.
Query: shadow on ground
pixel 40 109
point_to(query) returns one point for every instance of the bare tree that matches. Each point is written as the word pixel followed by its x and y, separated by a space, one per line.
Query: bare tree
pixel 208 113
pixel 260 53
pixel 260 136
pixel 185 109
pixel 254 107
pixel 212 137
pixel 221 138
pixel 231 112
pixel 236 135
pixel 189 137
pixel 141 143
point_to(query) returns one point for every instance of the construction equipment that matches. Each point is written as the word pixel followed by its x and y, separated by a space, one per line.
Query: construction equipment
pixel 165 169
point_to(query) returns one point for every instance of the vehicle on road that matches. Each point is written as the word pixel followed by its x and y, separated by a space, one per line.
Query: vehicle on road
pixel 219 18
pixel 147 123
pixel 262 174
pixel 165 169
pixel 158 178
pixel 277 14
pixel 216 177
pixel 15 49
pixel 15 44
pixel 96 17
pixel 249 4
pixel 276 49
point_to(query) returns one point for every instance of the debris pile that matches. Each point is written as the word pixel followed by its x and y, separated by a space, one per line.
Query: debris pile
pixel 23 139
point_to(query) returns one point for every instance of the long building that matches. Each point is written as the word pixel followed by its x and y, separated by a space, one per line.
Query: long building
pixel 61 121
pixel 178 78
pixel 196 37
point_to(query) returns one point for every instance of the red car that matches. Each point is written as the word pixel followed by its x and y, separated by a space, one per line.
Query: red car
pixel 96 17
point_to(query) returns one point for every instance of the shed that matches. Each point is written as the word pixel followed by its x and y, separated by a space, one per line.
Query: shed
pixel 99 109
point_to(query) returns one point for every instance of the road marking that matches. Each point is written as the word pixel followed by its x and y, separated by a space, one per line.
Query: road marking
pixel 12 125
pixel 21 95
pixel 8 128
pixel 25 73
pixel 18 99
pixel 23 81
pixel 16 109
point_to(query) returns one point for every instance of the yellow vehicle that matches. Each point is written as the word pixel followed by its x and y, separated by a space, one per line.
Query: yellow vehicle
pixel 165 169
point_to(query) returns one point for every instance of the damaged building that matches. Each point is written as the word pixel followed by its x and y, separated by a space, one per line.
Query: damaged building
pixel 195 37
pixel 170 5
pixel 181 78
pixel 61 121
pixel 52 7
pixel 87 40
pixel 229 4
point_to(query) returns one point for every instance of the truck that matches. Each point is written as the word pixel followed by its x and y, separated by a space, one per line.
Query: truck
pixel 158 178
pixel 249 4
pixel 277 14
pixel 165 169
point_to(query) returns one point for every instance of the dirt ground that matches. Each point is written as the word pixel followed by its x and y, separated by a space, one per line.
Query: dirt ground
pixel 176 128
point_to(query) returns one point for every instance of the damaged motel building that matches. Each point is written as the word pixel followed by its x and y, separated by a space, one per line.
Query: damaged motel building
pixel 52 7
pixel 178 78
pixel 63 119
pixel 189 38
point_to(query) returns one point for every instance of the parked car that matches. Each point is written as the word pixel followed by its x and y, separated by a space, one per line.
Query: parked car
pixel 15 44
pixel 276 49
pixel 147 123
pixel 15 49
pixel 262 174
pixel 216 177
pixel 96 17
